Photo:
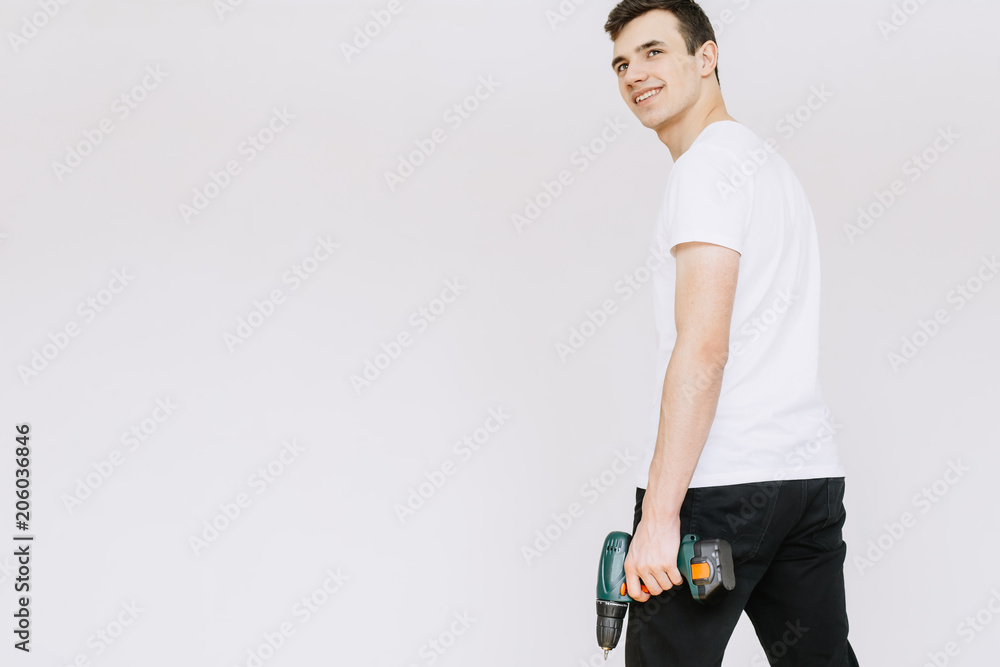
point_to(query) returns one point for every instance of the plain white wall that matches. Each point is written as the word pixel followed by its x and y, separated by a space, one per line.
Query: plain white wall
pixel 161 337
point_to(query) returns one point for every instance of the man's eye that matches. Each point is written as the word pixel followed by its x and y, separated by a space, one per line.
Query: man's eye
pixel 652 51
pixel 622 65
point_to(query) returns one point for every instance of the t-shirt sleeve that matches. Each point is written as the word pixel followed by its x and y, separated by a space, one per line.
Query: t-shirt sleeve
pixel 703 204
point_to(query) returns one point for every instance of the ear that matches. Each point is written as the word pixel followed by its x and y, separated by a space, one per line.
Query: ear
pixel 708 56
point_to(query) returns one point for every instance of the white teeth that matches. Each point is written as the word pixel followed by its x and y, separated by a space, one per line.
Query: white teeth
pixel 644 96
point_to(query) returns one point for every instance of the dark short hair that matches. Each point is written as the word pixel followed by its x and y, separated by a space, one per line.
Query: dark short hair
pixel 692 22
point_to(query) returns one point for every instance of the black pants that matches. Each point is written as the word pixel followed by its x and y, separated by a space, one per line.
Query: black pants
pixel 788 553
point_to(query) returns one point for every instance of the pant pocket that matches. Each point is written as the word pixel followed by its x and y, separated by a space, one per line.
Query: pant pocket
pixel 830 533
pixel 737 513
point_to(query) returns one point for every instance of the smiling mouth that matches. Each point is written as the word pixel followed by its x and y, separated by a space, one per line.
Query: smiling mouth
pixel 649 94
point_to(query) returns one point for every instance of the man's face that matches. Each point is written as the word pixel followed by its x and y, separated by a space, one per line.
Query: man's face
pixel 650 57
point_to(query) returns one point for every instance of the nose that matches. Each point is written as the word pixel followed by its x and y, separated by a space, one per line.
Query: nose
pixel 634 75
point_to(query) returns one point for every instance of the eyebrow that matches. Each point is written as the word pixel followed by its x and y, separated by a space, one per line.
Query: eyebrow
pixel 638 49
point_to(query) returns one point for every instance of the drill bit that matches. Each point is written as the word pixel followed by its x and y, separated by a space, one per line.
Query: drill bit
pixel 605 654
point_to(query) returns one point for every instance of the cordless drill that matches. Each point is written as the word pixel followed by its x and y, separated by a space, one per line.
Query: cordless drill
pixel 706 565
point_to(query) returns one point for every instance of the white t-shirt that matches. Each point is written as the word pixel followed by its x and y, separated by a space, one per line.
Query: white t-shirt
pixel 733 189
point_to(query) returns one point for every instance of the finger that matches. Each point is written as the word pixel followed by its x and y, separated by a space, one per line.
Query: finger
pixel 662 580
pixel 633 584
pixel 652 583
pixel 675 575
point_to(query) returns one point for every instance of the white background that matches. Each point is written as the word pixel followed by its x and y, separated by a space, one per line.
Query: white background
pixel 332 507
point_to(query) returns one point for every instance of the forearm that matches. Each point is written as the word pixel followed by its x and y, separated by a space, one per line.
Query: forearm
pixel 690 397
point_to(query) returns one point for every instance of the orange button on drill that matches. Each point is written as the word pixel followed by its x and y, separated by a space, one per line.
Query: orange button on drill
pixel 624 589
pixel 700 571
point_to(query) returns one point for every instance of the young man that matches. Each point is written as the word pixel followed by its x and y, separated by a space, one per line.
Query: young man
pixel 740 445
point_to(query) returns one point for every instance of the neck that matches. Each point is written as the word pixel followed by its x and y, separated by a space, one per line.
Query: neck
pixel 681 132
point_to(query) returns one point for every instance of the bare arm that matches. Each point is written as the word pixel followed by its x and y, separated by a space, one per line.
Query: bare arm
pixel 705 291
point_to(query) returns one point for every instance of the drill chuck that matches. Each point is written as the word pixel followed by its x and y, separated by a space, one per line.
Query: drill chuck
pixel 610 616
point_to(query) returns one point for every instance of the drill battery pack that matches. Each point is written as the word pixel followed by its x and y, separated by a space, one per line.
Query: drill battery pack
pixel 710 568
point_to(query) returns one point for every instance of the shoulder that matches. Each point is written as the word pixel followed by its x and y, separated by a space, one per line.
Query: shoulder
pixel 701 166
pixel 725 143
pixel 730 151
